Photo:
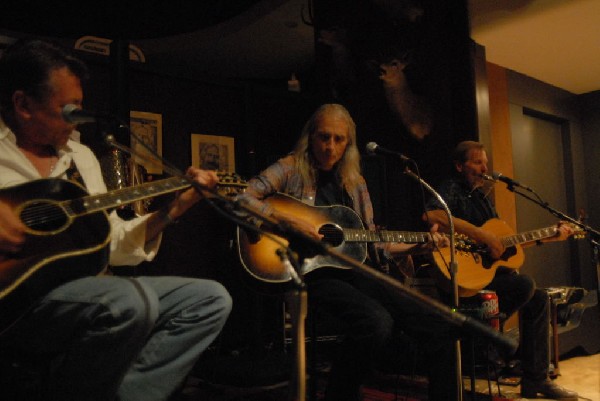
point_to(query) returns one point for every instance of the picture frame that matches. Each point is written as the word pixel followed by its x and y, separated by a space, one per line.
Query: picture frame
pixel 148 127
pixel 213 152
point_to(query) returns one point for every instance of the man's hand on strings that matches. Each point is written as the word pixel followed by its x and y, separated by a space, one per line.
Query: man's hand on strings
pixel 564 231
pixel 207 179
pixel 438 240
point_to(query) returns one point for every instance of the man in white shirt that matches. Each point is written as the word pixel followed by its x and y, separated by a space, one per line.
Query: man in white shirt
pixel 131 338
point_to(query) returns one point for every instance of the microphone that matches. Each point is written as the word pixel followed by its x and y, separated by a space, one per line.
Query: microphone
pixel 71 113
pixel 488 177
pixel 373 148
pixel 507 180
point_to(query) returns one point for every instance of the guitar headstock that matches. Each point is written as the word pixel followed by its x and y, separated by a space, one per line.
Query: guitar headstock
pixel 463 243
pixel 230 184
pixel 578 232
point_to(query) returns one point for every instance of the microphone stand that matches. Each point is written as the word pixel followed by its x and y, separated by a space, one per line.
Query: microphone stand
pixel 594 234
pixel 307 245
pixel 453 270
pixel 562 216
pixel 297 301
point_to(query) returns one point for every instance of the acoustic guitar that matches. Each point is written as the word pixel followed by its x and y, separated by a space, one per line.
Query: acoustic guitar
pixel 67 235
pixel 476 269
pixel 341 227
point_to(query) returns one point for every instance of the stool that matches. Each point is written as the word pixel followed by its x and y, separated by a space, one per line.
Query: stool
pixel 476 313
pixel 315 335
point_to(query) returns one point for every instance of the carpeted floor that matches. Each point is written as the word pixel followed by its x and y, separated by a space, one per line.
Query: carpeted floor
pixel 581 374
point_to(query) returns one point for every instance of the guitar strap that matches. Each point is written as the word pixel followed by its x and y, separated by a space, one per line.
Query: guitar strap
pixel 73 174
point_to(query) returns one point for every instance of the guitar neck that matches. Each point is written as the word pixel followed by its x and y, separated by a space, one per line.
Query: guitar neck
pixel 358 235
pixel 529 236
pixel 119 197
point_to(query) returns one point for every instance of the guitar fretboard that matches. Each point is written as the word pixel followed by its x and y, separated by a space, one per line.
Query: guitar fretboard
pixel 94 203
pixel 358 235
pixel 529 236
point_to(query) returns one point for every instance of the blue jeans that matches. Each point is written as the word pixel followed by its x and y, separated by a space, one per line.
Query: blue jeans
pixel 131 338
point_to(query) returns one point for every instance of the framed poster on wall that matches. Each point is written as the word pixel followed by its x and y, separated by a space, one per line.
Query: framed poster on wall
pixel 148 128
pixel 213 152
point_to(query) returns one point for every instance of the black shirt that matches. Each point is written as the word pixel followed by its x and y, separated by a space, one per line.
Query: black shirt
pixel 330 191
pixel 465 203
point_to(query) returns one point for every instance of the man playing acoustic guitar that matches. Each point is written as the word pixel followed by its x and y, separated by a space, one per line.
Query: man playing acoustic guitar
pixel 470 209
pixel 106 336
pixel 323 171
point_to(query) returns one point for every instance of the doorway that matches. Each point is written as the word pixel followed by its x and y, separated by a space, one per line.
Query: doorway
pixel 542 161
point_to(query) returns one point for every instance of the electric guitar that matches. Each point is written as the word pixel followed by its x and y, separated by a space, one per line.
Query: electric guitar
pixel 341 227
pixel 67 235
pixel 476 269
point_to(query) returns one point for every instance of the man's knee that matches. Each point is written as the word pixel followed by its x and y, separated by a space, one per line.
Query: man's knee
pixel 209 296
pixel 132 307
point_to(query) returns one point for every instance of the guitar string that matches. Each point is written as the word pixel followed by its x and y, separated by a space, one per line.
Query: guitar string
pixel 40 214
pixel 361 234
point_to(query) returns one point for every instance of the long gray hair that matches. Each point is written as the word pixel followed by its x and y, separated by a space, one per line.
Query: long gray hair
pixel 348 169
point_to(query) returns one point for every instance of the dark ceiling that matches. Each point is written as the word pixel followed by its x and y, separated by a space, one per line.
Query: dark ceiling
pixel 271 39
pixel 130 19
pixel 240 39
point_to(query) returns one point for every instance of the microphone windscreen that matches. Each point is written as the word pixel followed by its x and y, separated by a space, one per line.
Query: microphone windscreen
pixel 371 147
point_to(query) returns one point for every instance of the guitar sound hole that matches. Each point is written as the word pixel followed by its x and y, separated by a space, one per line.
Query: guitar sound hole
pixel 43 216
pixel 332 234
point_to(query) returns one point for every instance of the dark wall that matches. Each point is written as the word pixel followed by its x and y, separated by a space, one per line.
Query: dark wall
pixel 590 116
pixel 587 336
pixel 265 122
pixel 432 38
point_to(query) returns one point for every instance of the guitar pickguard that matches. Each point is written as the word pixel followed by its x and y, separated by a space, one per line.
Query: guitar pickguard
pixel 509 253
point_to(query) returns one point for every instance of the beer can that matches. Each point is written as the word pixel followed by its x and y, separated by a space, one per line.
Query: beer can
pixel 490 308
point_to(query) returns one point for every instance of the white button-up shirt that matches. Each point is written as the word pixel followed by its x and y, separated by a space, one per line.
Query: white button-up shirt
pixel 128 238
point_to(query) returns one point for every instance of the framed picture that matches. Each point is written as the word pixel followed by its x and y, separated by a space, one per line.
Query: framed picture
pixel 148 128
pixel 212 152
